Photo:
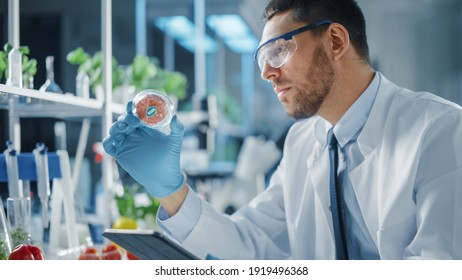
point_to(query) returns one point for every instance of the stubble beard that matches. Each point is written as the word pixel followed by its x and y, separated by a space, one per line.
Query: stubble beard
pixel 310 95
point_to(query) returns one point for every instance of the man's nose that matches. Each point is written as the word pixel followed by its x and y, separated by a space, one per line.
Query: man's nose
pixel 268 73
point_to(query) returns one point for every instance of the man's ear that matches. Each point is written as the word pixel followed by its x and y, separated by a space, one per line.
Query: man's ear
pixel 338 39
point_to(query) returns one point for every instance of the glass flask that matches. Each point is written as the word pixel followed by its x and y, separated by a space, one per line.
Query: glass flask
pixel 19 219
pixel 50 85
pixel 5 238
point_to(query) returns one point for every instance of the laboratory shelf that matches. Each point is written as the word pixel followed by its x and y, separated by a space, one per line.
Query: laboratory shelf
pixel 30 103
pixel 67 98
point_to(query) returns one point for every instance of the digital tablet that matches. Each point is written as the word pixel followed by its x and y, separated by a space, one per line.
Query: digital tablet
pixel 148 244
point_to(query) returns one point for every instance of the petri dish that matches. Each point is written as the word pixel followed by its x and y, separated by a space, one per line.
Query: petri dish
pixel 153 108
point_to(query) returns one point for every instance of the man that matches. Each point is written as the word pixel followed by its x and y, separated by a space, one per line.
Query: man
pixel 396 162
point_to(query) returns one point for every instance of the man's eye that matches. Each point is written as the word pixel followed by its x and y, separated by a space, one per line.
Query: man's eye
pixel 277 50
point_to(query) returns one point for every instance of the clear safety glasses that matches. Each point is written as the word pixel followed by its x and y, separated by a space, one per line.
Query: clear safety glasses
pixel 276 51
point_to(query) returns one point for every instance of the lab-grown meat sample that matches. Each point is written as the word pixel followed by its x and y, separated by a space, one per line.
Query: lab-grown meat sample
pixel 151 109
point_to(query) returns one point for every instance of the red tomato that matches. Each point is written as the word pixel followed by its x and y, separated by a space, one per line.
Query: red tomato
pixel 110 252
pixel 26 252
pixel 130 256
pixel 90 253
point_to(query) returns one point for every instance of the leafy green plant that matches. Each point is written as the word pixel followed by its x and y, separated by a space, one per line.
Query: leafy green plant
pixel 92 66
pixel 29 66
pixel 3 253
pixel 128 208
pixel 143 73
pixel 18 237
pixel 146 73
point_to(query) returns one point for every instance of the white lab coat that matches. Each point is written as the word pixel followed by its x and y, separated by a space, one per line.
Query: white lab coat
pixel 409 189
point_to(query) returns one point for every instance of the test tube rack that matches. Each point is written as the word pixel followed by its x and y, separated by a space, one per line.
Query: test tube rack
pixel 62 195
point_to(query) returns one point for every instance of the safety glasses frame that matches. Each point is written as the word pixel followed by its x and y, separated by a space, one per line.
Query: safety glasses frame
pixel 289 35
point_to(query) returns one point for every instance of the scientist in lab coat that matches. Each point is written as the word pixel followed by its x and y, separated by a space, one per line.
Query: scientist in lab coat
pixel 399 162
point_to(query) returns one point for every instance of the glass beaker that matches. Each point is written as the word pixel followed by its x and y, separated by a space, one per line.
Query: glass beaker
pixel 5 239
pixel 50 85
pixel 19 218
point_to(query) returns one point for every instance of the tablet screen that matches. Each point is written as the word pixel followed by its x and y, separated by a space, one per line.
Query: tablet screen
pixel 148 244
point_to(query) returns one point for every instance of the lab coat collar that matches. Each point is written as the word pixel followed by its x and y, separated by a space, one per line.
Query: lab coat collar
pixel 371 138
pixel 354 118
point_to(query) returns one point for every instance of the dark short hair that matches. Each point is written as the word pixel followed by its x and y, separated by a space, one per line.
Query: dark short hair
pixel 344 12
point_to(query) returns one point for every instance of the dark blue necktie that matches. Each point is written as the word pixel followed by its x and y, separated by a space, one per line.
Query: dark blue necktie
pixel 336 199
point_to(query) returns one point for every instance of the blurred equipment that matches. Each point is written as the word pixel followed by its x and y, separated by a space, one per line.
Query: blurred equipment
pixel 62 198
pixel 15 186
pixel 43 179
pixel 57 166
pixel 5 237
pixel 256 158
pixel 199 138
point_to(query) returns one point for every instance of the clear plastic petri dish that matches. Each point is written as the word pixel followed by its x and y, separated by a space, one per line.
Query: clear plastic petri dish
pixel 153 108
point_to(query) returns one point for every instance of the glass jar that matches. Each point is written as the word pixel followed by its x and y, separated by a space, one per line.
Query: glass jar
pixel 5 239
pixel 19 219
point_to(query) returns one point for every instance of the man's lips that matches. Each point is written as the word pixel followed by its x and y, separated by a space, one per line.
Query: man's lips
pixel 281 90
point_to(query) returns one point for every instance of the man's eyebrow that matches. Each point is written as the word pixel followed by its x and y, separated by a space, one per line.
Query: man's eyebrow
pixel 274 36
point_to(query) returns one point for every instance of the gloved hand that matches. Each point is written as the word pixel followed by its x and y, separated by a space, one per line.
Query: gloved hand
pixel 148 155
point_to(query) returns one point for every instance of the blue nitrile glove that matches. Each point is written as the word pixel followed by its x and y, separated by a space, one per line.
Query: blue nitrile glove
pixel 148 155
pixel 211 257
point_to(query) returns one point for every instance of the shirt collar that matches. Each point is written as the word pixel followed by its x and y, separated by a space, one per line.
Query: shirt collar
pixel 356 116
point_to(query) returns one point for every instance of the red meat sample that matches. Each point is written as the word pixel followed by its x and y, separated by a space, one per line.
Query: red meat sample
pixel 151 109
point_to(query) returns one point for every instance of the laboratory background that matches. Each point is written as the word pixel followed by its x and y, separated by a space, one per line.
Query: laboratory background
pixel 200 53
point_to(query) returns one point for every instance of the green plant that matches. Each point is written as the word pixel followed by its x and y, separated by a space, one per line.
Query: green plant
pixel 18 237
pixel 143 73
pixel 3 253
pixel 29 66
pixel 146 73
pixel 127 206
pixel 92 66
